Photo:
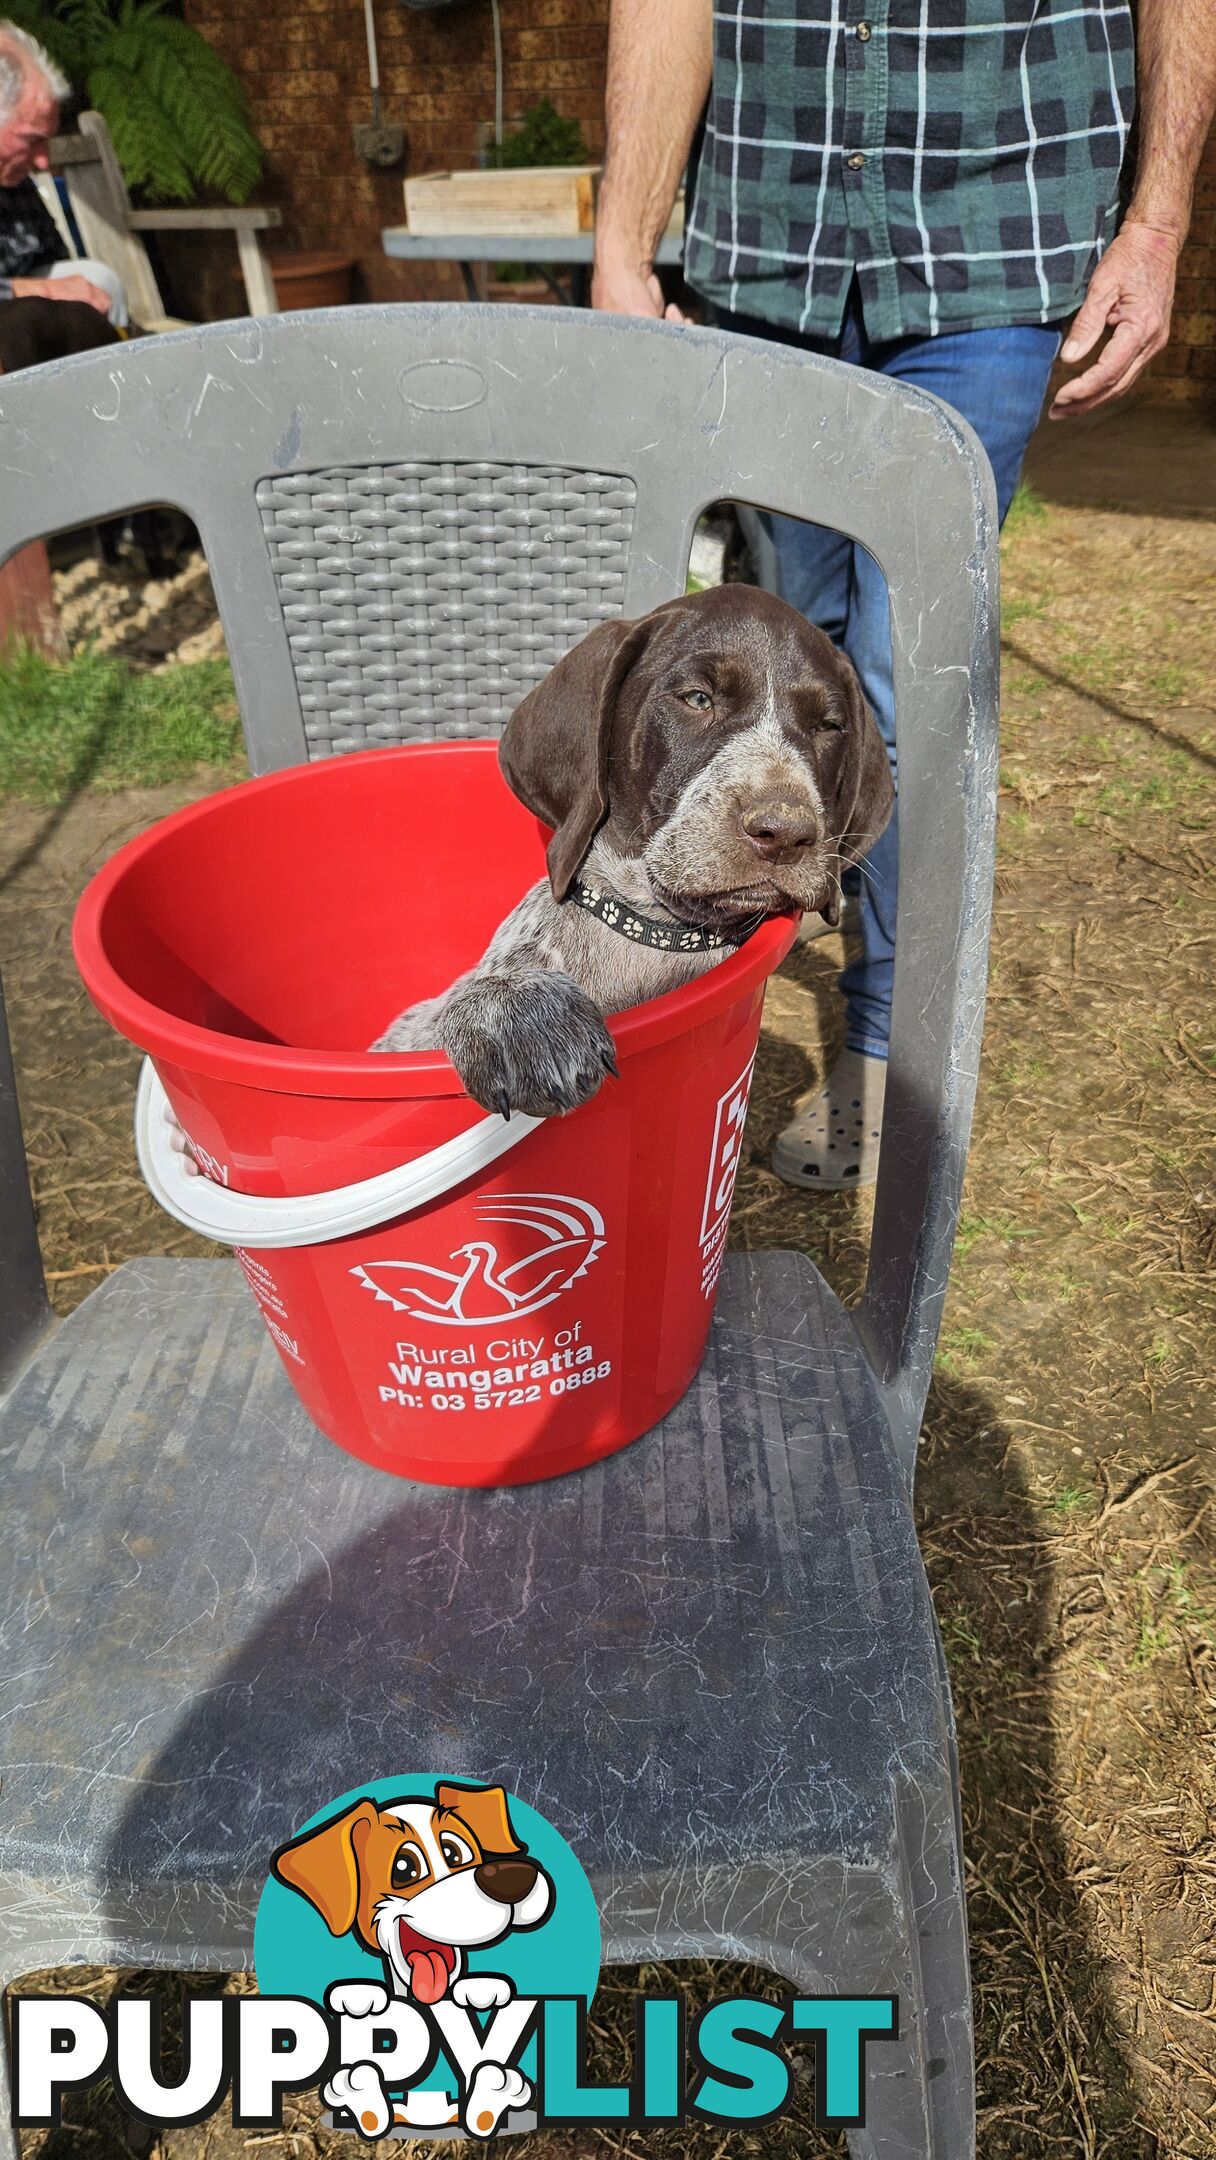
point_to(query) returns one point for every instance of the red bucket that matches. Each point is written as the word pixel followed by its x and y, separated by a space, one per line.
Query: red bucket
pixel 474 1304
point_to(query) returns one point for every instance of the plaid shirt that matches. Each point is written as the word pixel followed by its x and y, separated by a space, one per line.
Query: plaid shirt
pixel 961 157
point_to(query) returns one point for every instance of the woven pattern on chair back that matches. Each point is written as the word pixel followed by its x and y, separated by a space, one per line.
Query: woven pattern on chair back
pixel 425 600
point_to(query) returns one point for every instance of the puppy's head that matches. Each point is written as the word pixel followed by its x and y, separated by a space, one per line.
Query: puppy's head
pixel 420 1880
pixel 722 743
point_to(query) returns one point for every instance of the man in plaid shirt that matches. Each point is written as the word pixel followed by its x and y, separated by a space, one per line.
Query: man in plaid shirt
pixel 929 188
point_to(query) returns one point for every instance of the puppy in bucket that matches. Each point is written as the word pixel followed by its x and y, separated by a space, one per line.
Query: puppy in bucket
pixel 705 767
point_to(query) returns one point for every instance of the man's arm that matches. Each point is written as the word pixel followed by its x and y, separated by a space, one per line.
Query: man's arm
pixel 64 288
pixel 660 59
pixel 1132 288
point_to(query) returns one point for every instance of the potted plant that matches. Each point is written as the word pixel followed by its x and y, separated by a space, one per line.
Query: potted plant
pixel 540 136
pixel 178 115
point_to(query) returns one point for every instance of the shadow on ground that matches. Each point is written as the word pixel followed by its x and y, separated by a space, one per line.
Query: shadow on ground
pixel 1052 2060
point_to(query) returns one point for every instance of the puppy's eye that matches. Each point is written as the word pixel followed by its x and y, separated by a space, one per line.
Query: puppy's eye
pixel 698 701
pixel 455 1850
pixel 408 1867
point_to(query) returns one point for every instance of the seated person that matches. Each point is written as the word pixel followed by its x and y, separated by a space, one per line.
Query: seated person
pixel 49 305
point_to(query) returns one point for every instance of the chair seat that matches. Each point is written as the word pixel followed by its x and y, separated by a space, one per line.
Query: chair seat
pixel 718 1640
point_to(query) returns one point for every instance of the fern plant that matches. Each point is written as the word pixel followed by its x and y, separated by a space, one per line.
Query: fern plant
pixel 178 115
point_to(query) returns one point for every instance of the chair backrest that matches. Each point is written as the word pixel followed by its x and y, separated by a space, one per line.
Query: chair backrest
pixel 45 184
pixel 97 191
pixel 410 512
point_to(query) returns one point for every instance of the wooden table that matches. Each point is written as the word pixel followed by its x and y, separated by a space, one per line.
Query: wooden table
pixel 574 250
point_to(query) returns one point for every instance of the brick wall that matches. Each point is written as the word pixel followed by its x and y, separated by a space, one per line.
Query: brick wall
pixel 304 63
pixel 1185 373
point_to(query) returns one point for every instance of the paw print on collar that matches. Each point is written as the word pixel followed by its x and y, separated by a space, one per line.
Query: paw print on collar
pixel 641 929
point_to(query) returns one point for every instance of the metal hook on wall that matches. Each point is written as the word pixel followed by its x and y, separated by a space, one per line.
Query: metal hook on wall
pixel 378 141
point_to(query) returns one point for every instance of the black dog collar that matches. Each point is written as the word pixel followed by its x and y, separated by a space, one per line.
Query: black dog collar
pixel 617 914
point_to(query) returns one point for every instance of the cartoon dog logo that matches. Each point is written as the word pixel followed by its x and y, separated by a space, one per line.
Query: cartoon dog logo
pixel 419 1882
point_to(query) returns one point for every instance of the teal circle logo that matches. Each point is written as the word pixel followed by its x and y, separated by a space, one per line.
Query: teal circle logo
pixel 409 1903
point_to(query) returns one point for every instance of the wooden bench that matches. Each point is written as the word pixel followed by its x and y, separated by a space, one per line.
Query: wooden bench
pixel 112 232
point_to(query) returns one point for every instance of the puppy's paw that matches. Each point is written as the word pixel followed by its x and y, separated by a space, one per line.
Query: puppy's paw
pixel 483 1991
pixel 360 2088
pixel 493 2092
pixel 532 1041
pixel 357 1998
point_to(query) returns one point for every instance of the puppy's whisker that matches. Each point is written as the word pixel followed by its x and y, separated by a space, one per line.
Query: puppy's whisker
pixel 835 892
pixel 862 867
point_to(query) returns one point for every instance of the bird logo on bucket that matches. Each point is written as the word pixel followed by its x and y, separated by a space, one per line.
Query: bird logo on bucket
pixel 482 1290
pixel 414 1910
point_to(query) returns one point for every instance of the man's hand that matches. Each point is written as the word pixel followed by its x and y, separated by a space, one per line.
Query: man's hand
pixel 61 288
pixel 1132 291
pixel 620 288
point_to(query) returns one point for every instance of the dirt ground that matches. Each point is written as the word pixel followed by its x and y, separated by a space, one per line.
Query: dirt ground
pixel 150 621
pixel 1066 1492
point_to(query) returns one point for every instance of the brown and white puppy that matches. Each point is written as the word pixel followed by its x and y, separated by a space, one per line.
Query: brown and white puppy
pixel 420 1882
pixel 709 765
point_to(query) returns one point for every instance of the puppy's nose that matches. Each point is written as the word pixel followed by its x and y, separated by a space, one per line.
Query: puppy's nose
pixel 506 1880
pixel 778 828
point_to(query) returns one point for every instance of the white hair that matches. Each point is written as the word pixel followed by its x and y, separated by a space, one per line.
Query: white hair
pixel 20 57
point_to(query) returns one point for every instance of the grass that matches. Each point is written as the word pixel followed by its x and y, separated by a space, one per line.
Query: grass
pixel 1121 670
pixel 1001 1227
pixel 961 1639
pixel 1027 508
pixel 962 1346
pixel 1024 609
pixel 1170 1611
pixel 94 721
pixel 1069 1498
pixel 1022 1071
pixel 1176 786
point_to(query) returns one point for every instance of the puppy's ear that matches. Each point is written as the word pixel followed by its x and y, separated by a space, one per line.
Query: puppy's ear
pixel 323 1865
pixel 483 1810
pixel 554 749
pixel 866 794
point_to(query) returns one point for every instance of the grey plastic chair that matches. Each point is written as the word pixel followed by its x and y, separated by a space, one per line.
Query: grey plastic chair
pixel 712 1660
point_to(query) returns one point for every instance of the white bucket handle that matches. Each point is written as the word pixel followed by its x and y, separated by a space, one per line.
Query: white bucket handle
pixel 235 1218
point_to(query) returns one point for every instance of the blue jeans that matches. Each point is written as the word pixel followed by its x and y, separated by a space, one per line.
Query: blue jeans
pixel 997 380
